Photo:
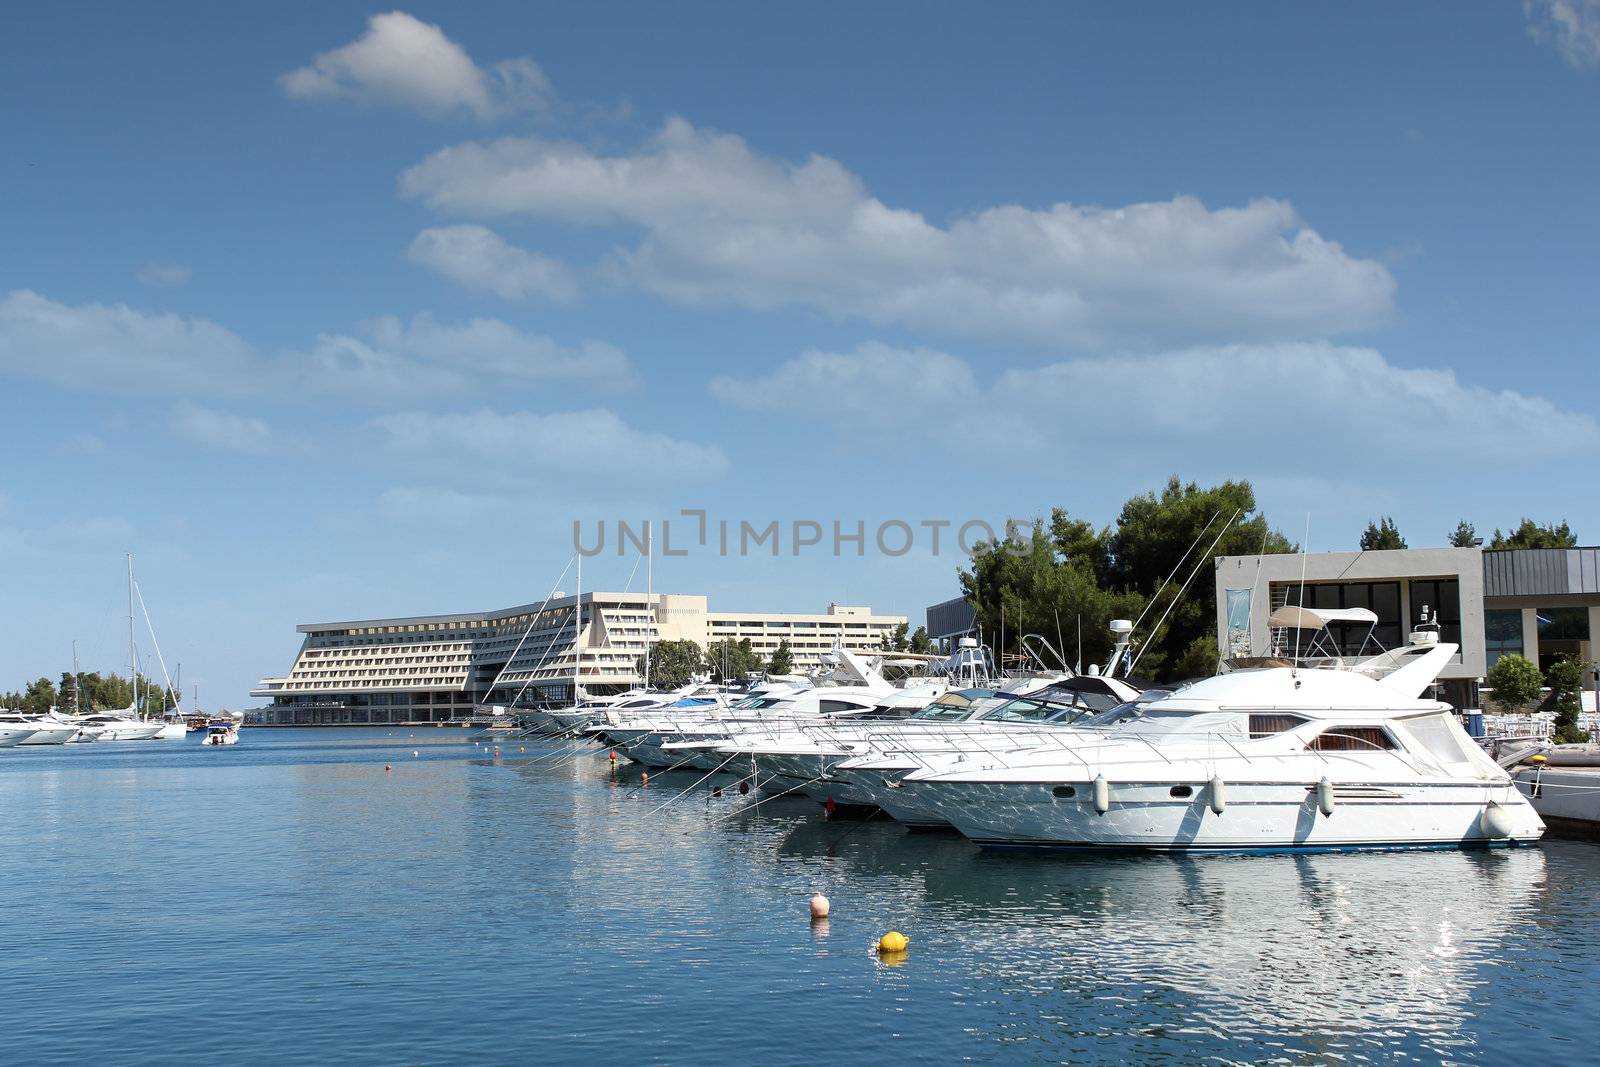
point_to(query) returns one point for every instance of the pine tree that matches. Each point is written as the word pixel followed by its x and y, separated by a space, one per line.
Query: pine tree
pixel 1381 535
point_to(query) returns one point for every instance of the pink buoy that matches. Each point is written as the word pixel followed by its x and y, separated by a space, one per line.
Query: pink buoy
pixel 819 907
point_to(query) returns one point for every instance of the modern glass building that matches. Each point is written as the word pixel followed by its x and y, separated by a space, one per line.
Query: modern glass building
pixel 1539 603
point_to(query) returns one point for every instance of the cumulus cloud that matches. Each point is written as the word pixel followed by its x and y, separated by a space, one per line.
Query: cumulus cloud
pixel 723 223
pixel 221 431
pixel 560 446
pixel 113 346
pixel 1303 403
pixel 164 275
pixel 481 259
pixel 1572 26
pixel 98 346
pixel 404 61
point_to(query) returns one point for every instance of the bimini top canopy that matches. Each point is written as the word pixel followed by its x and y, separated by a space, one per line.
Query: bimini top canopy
pixel 1318 618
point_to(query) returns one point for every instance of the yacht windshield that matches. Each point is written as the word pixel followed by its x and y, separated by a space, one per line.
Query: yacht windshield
pixel 954 705
pixel 758 702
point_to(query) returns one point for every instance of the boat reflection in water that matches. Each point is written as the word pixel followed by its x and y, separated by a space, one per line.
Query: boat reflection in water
pixel 1317 955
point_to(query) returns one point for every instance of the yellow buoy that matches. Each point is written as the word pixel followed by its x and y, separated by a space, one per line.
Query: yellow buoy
pixel 893 941
pixel 1538 759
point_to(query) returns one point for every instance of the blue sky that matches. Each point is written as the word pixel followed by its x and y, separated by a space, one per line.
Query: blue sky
pixel 343 312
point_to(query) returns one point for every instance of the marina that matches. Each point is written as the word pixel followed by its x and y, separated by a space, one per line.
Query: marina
pixel 465 906
pixel 830 535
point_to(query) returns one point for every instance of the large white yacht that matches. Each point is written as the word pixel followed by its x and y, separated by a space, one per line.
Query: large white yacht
pixel 123 725
pixel 1296 757
pixel 13 734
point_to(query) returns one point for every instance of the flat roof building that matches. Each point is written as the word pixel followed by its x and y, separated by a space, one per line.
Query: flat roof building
pixel 950 619
pixel 1540 603
pixel 436 668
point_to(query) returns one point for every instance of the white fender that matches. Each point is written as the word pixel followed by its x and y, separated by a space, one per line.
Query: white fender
pixel 1102 795
pixel 1219 794
pixel 1497 821
pixel 1325 796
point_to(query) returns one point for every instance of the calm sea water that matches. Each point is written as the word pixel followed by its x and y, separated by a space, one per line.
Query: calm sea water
pixel 287 900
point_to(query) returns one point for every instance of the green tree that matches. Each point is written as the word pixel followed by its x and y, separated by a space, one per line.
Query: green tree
pixel 782 659
pixel 920 641
pixel 1151 535
pixel 730 660
pixel 1072 571
pixel 672 663
pixel 1027 592
pixel 40 697
pixel 1381 535
pixel 896 641
pixel 1531 535
pixel 1566 695
pixel 1465 535
pixel 1515 681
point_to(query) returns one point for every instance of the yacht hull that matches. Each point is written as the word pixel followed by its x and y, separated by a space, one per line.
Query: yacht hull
pixel 130 731
pixel 12 738
pixel 51 735
pixel 1257 817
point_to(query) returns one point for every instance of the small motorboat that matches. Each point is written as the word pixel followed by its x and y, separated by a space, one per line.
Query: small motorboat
pixel 221 732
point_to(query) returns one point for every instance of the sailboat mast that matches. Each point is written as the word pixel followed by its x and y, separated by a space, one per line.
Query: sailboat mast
pixel 649 595
pixel 577 633
pixel 133 659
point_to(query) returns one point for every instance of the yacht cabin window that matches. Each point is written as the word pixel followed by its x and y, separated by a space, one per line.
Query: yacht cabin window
pixel 1352 739
pixel 1267 725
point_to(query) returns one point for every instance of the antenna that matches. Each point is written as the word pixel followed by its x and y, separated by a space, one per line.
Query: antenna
pixel 1303 544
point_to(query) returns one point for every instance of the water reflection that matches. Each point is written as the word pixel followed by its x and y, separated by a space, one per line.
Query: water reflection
pixel 560 908
pixel 1320 954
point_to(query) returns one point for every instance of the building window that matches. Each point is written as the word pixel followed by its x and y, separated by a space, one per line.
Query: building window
pixel 1443 596
pixel 1502 634
pixel 1562 632
pixel 1381 598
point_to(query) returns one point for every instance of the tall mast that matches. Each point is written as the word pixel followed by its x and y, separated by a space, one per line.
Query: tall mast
pixel 133 659
pixel 77 682
pixel 649 596
pixel 577 633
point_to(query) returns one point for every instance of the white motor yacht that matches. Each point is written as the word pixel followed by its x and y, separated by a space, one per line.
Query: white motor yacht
pixel 13 734
pixel 122 726
pixel 1274 758
pixel 46 730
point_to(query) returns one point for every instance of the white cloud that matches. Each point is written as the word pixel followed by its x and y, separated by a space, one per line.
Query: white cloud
pixel 164 275
pixel 113 346
pixel 101 347
pixel 222 431
pixel 912 382
pixel 480 258
pixel 1573 26
pixel 490 346
pixel 1291 406
pixel 724 224
pixel 563 446
pixel 405 61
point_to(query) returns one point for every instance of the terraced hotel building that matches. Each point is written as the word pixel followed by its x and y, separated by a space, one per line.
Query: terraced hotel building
pixel 435 668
